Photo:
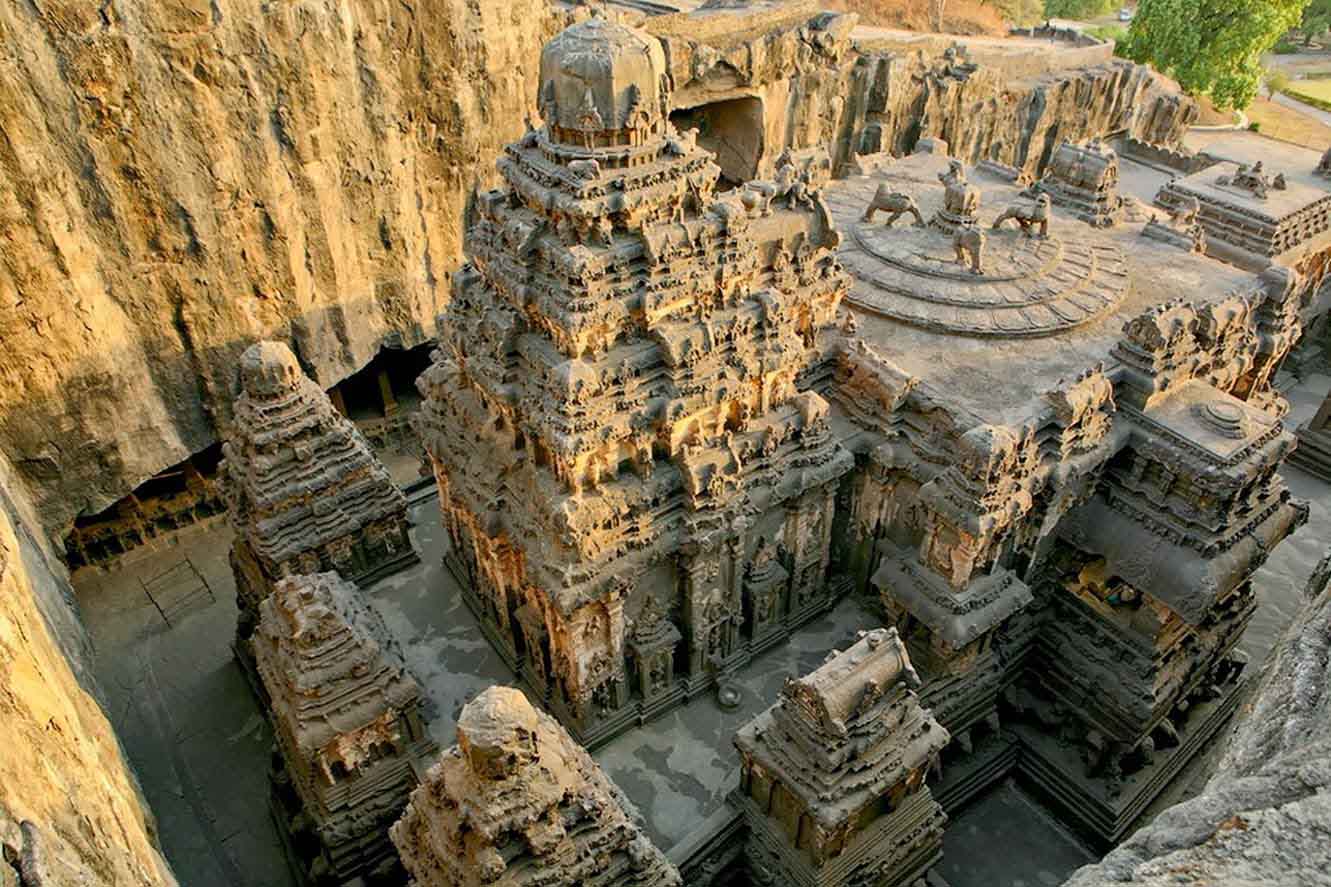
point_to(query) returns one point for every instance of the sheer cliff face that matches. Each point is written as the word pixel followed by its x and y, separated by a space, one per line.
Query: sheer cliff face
pixel 61 768
pixel 179 178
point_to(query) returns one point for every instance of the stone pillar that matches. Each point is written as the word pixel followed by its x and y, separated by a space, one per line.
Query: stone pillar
pixel 386 397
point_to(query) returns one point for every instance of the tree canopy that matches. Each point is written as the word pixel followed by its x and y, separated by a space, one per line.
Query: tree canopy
pixel 1316 18
pixel 1211 46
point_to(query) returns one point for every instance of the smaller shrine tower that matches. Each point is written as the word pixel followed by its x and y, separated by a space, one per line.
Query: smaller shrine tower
pixel 518 802
pixel 832 778
pixel 346 714
pixel 306 493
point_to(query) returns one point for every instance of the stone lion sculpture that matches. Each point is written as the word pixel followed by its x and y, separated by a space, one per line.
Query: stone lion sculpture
pixel 968 241
pixel 894 202
pixel 1028 216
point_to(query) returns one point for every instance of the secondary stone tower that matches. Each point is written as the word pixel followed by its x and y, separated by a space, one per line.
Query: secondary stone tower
pixel 347 718
pixel 518 802
pixel 832 777
pixel 306 493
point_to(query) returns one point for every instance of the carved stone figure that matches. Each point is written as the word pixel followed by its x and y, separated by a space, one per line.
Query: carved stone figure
pixel 1183 228
pixel 1254 179
pixel 961 200
pixel 1029 216
pixel 968 242
pixel 894 202
pixel 518 802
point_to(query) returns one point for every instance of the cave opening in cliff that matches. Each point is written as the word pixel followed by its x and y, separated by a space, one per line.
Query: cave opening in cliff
pixel 380 398
pixel 731 129
pixel 176 497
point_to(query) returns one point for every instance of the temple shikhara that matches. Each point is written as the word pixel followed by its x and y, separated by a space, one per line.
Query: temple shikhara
pixel 618 417
pixel 306 493
pixel 832 780
pixel 351 739
pixel 518 802
pixel 800 453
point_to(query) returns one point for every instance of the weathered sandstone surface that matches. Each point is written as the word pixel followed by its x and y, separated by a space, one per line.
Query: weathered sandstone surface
pixel 182 178
pixel 61 766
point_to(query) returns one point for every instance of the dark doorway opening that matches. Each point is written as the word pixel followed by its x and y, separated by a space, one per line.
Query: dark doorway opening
pixel 730 129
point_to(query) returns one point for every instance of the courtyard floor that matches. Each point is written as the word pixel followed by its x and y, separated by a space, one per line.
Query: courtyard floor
pixel 200 745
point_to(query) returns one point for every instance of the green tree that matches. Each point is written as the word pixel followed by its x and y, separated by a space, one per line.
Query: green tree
pixel 1213 47
pixel 1275 81
pixel 1079 9
pixel 1316 20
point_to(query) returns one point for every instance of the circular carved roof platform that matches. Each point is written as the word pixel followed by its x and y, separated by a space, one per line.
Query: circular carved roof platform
pixel 1029 286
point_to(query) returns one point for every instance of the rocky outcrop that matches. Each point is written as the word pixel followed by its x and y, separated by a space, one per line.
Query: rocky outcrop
pixel 70 809
pixel 1265 817
pixel 179 179
pixel 821 81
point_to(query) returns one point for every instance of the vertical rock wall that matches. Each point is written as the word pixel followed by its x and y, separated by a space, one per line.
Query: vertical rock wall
pixel 179 178
pixel 61 766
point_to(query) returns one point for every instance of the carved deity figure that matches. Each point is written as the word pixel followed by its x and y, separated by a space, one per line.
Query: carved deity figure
pixel 1254 180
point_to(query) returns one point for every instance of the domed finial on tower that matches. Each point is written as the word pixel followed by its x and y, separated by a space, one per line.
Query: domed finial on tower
pixel 268 369
pixel 603 86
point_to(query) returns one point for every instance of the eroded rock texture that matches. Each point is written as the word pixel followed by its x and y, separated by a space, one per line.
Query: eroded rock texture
pixel 179 179
pixel 518 802
pixel 69 805
pixel 182 178
pixel 1263 817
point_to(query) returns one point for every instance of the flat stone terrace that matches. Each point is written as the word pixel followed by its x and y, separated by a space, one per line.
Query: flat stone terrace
pixel 1043 311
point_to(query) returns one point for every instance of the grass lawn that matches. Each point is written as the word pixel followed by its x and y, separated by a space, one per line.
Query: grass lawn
pixel 1318 89
pixel 1280 122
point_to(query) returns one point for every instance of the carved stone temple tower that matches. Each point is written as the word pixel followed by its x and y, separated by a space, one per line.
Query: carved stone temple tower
pixel 615 415
pixel 832 778
pixel 305 491
pixel 346 714
pixel 518 802
pixel 1148 587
